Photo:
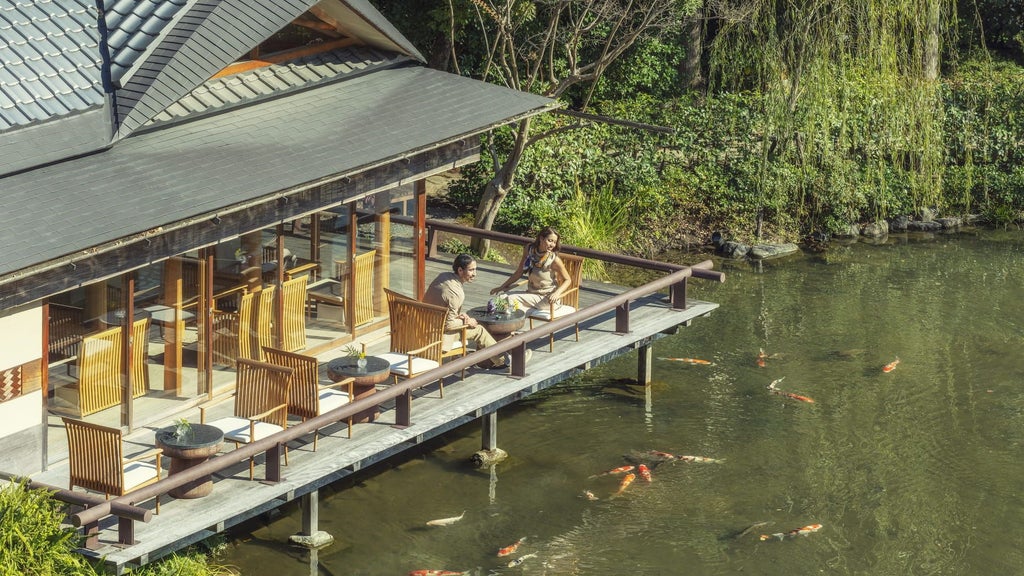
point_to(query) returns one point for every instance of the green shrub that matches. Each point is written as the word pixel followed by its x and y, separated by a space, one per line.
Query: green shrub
pixel 32 539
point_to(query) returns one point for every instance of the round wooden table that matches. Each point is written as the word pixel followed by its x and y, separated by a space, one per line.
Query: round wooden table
pixel 499 324
pixel 191 448
pixel 376 371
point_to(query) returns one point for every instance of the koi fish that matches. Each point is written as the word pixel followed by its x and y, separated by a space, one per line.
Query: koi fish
pixel 446 521
pixel 695 361
pixel 737 534
pixel 644 472
pixel 810 528
pixel 661 455
pixel 436 573
pixel 775 383
pixel 700 459
pixel 891 365
pixel 588 495
pixel 618 470
pixel 511 548
pixel 797 397
pixel 761 358
pixel 521 559
pixel 625 483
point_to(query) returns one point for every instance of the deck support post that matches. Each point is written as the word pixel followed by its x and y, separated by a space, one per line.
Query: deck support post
pixel 311 536
pixel 643 364
pixel 489 453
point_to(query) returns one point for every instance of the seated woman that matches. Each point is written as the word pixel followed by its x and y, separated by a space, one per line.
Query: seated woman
pixel 547 277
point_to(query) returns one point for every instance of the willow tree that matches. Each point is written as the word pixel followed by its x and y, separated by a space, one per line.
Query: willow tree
pixel 549 47
pixel 850 97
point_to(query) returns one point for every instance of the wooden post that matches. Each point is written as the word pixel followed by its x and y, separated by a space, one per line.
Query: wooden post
pixel 489 440
pixel 643 364
pixel 175 333
pixel 311 536
pixel 419 274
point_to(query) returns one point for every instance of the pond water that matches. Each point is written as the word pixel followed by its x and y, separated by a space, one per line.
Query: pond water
pixel 914 471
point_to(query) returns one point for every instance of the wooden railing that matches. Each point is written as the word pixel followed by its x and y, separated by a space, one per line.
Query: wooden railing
pixel 675 281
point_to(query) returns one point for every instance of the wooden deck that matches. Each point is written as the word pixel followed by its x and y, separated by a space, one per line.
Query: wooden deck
pixel 236 499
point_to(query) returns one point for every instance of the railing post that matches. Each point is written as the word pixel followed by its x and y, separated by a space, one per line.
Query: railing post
pixel 125 531
pixel 403 410
pixel 677 293
pixel 519 361
pixel 273 463
pixel 92 535
pixel 622 318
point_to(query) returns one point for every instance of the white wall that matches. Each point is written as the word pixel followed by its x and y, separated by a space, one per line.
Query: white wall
pixel 21 337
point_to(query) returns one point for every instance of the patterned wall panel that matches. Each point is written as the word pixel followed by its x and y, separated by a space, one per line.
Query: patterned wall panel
pixel 10 383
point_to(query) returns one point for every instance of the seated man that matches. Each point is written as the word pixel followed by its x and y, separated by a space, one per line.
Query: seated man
pixel 446 290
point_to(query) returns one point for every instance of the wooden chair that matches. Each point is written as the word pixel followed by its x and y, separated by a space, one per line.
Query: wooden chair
pixel 67 328
pixel 243 333
pixel 307 398
pixel 459 348
pixel 96 461
pixel 417 336
pixel 362 300
pixel 570 301
pixel 99 362
pixel 261 404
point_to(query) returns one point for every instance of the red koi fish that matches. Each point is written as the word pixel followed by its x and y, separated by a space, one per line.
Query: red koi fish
pixel 625 483
pixel 762 358
pixel 891 365
pixel 511 548
pixel 797 397
pixel 618 470
pixel 436 573
pixel 700 459
pixel 810 528
pixel 696 361
pixel 644 472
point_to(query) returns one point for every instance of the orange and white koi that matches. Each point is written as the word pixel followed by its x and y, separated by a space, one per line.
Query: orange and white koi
pixel 810 528
pixel 761 358
pixel 446 521
pixel 695 361
pixel 521 559
pixel 511 548
pixel 661 455
pixel 625 483
pixel 644 472
pixel 618 470
pixel 700 459
pixel 436 573
pixel 891 365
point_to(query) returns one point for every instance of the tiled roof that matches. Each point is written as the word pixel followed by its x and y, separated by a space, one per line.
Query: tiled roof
pixel 49 60
pixel 132 25
pixel 189 169
pixel 278 79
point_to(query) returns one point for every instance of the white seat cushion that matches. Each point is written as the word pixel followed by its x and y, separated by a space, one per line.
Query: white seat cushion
pixel 399 363
pixel 545 313
pixel 137 473
pixel 237 429
pixel 331 399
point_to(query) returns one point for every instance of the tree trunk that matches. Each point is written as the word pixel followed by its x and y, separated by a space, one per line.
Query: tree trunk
pixel 499 186
pixel 693 38
pixel 931 46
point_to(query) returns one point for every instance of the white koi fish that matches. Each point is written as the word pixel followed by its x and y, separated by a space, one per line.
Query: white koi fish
pixel 446 521
pixel 521 559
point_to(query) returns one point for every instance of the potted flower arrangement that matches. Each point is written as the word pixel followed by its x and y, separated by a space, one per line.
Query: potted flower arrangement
pixel 182 428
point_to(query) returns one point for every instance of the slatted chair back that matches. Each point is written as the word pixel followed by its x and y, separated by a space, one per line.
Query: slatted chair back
pixel 570 300
pixel 99 367
pixel 306 397
pixel 261 392
pixel 293 331
pixel 263 323
pixel 66 330
pixel 230 340
pixel 96 460
pixel 416 325
pixel 362 276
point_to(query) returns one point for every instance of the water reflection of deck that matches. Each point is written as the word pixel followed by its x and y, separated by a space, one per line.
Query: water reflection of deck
pixel 235 499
